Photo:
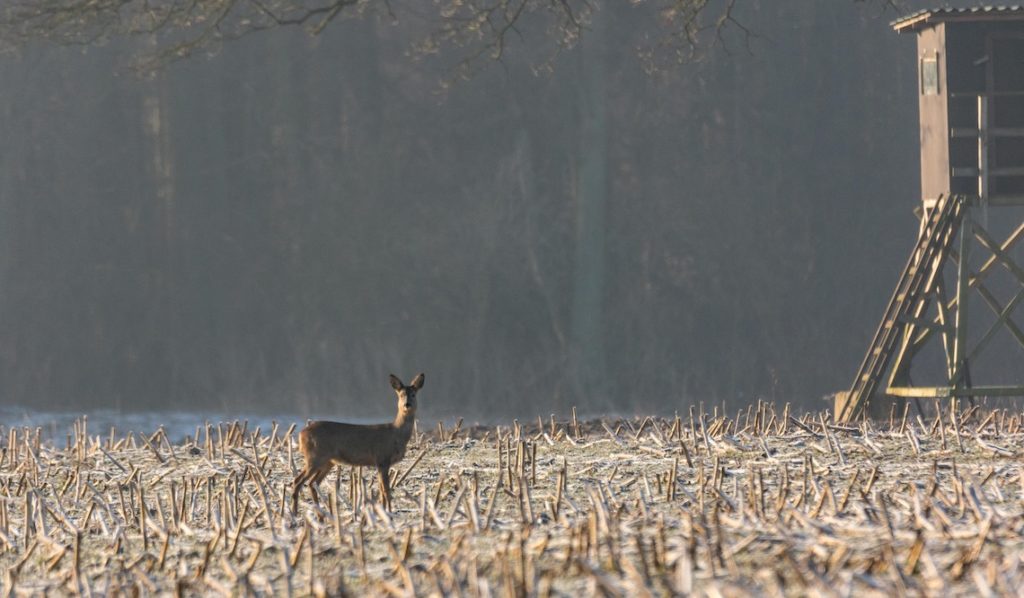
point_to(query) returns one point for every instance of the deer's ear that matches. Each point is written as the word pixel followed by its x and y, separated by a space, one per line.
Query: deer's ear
pixel 395 382
pixel 417 382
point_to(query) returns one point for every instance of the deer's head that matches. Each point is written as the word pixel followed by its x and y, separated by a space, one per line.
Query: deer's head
pixel 407 395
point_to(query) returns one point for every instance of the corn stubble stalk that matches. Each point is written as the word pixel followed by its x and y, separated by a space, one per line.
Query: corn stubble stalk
pixel 703 503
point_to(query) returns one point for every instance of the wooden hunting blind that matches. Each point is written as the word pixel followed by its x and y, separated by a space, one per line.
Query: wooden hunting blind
pixel 970 83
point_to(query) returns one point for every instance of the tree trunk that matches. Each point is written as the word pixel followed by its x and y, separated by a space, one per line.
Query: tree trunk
pixel 588 350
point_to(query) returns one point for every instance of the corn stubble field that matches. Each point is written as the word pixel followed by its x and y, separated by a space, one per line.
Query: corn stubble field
pixel 763 503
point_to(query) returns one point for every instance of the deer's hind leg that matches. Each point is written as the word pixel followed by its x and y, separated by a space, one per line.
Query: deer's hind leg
pixel 300 479
pixel 318 477
pixel 309 475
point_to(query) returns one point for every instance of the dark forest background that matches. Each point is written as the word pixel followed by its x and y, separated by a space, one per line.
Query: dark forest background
pixel 279 224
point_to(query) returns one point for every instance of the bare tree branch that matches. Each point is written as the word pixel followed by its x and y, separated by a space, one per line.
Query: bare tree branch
pixel 482 30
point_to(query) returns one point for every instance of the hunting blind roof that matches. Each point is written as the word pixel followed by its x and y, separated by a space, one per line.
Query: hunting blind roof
pixel 929 16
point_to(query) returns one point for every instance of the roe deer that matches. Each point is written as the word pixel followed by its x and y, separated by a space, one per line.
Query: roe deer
pixel 324 444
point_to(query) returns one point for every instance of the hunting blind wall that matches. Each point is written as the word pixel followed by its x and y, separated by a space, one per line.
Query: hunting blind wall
pixel 971 90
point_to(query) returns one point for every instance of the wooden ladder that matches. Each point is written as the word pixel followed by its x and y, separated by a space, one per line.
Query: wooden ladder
pixel 918 277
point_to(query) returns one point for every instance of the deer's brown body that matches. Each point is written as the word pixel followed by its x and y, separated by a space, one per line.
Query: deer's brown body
pixel 324 444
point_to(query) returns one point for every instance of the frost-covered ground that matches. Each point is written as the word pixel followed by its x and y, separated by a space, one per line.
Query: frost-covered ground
pixel 763 504
pixel 182 424
pixel 56 425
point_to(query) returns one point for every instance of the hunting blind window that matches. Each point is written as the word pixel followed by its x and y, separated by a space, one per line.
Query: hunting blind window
pixel 930 76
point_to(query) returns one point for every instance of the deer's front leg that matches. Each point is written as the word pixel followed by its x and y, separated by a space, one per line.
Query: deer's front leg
pixel 384 473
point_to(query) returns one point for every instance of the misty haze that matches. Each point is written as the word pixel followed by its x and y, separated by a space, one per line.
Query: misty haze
pixel 511 298
pixel 274 224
